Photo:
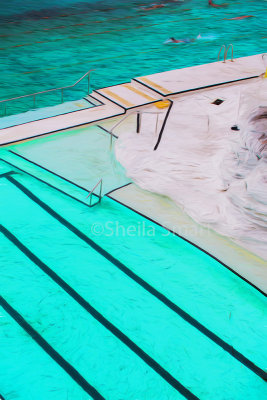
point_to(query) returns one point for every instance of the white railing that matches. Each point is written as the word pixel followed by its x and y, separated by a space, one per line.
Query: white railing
pixel 91 194
pixel 50 90
pixel 139 114
pixel 226 52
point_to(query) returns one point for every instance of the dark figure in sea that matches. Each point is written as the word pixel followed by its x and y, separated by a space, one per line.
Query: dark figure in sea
pixel 217 5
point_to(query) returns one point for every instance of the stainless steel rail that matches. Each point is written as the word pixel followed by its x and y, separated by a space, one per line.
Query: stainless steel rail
pixel 226 52
pixel 232 56
pixel 138 114
pixel 223 46
pixel 49 90
pixel 99 183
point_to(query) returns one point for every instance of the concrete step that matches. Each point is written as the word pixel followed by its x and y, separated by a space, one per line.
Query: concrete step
pixel 104 101
pixel 153 86
pixel 145 89
pixel 127 95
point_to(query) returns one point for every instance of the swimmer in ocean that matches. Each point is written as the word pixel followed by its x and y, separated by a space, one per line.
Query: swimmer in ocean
pixel 217 5
pixel 185 40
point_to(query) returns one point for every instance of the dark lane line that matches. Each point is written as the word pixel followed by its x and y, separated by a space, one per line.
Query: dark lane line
pixel 51 172
pixel 71 371
pixel 99 317
pixel 130 208
pixel 40 180
pixel 5 174
pixel 187 317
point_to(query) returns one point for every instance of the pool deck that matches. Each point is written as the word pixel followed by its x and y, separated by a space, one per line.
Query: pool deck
pixel 140 92
pixel 166 213
pixel 203 76
pixel 143 92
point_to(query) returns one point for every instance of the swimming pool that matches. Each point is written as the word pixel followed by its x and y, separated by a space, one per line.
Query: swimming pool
pixel 102 302
pixel 53 47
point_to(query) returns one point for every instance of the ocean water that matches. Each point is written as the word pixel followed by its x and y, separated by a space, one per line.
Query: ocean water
pixel 53 43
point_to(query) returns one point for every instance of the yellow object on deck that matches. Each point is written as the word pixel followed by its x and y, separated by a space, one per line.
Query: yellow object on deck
pixel 265 75
pixel 162 104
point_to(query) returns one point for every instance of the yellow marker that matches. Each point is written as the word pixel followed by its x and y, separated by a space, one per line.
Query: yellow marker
pixel 265 75
pixel 162 104
pixel 133 89
pixel 154 85
pixel 117 97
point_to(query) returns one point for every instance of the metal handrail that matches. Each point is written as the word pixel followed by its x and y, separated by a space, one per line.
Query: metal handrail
pixel 51 90
pixel 138 112
pixel 100 182
pixel 264 60
pixel 225 54
pixel 223 46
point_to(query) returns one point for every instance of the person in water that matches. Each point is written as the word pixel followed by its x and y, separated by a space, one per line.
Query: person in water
pixel 185 40
pixel 216 5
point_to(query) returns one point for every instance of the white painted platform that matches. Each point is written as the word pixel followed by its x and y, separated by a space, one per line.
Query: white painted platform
pixel 128 95
pixel 140 93
pixel 201 76
pixel 60 122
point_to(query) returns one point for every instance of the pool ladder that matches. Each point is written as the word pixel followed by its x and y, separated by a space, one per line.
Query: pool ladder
pixel 226 52
pixel 92 193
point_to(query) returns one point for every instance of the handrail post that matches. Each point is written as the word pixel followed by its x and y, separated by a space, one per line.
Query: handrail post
pixel 90 195
pixel 223 46
pixel 138 112
pixel 138 122
pixel 157 120
pixel 34 101
pixel 100 191
pixel 62 95
pixel 226 52
pixel 88 89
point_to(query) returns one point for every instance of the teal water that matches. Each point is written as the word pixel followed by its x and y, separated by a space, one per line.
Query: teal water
pixel 44 112
pixel 81 155
pixel 52 44
pixel 29 367
pixel 198 284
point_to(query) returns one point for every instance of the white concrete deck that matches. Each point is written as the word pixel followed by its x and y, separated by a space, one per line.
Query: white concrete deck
pixel 128 95
pixel 60 122
pixel 193 78
pixel 141 92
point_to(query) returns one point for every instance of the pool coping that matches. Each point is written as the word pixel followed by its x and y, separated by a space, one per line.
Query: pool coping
pixel 14 134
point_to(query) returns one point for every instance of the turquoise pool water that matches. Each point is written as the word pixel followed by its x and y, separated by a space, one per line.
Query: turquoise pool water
pixel 111 293
pixel 100 303
pixel 52 44
pixel 44 112
pixel 81 155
